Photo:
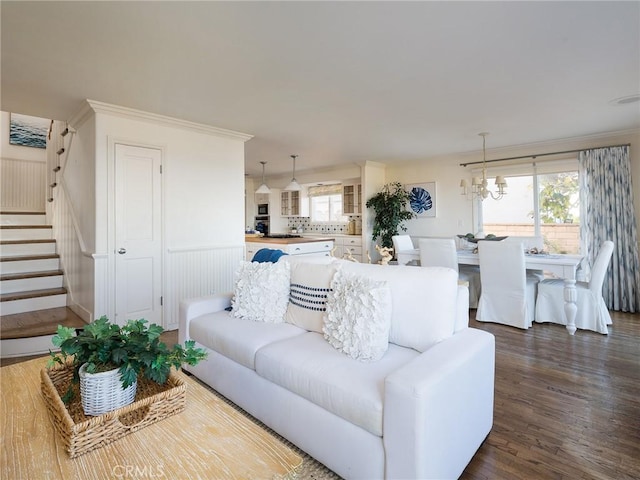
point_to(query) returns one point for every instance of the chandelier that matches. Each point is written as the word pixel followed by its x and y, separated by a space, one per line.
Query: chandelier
pixel 479 185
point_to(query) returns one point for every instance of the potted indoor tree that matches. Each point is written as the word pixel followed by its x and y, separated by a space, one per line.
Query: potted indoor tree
pixel 107 360
pixel 390 207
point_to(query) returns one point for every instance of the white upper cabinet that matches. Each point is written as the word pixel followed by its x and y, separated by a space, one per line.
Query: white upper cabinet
pixel 294 204
pixel 352 198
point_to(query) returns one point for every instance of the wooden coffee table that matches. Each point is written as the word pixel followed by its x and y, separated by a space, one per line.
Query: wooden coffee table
pixel 210 439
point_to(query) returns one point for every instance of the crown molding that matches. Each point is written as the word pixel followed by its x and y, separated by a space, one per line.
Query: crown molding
pixel 582 141
pixel 82 115
pixel 94 106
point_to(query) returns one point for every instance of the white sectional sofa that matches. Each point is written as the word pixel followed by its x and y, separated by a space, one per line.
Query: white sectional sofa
pixel 421 411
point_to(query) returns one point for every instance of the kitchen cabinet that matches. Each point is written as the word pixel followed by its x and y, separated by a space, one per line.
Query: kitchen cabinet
pixel 300 247
pixel 348 244
pixel 252 247
pixel 352 198
pixel 294 204
pixel 310 248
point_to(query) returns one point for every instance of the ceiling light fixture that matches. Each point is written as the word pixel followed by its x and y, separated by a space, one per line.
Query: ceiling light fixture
pixel 479 186
pixel 263 188
pixel 294 186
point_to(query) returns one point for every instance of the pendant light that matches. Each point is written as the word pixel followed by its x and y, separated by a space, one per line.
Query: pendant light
pixel 294 186
pixel 263 188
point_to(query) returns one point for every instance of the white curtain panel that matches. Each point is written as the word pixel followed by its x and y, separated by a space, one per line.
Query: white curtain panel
pixel 607 213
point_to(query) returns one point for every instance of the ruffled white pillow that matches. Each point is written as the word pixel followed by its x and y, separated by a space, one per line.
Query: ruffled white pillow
pixel 261 291
pixel 358 316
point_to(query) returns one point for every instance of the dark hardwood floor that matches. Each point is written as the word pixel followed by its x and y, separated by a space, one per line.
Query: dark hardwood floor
pixel 566 407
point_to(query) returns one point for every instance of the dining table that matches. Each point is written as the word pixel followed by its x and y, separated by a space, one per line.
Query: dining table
pixel 563 266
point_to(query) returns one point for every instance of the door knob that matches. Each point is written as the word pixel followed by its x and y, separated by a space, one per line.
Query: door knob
pixel 122 251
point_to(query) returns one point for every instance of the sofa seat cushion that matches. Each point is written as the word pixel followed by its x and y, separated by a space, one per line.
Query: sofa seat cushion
pixel 236 338
pixel 308 366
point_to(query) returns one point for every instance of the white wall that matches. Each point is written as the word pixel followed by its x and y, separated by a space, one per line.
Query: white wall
pixel 203 202
pixel 374 176
pixel 78 178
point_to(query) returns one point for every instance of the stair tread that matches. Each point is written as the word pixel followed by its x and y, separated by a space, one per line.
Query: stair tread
pixel 26 242
pixel 3 212
pixel 46 292
pixel 18 227
pixel 20 276
pixel 41 322
pixel 18 258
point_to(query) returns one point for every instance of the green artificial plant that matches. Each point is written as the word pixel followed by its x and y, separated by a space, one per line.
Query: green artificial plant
pixel 390 206
pixel 134 349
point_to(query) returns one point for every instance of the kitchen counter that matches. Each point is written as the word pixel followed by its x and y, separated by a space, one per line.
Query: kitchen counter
pixel 287 241
pixel 291 246
pixel 331 235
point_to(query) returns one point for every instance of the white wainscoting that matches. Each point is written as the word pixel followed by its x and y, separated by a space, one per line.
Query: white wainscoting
pixel 101 276
pixel 78 265
pixel 199 271
pixel 23 185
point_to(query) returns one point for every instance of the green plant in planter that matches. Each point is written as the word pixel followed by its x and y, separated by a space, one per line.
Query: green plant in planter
pixel 134 349
pixel 390 211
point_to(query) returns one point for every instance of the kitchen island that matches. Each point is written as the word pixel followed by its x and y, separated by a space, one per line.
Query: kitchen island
pixel 291 244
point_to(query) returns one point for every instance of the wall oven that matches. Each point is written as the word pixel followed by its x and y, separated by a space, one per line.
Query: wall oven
pixel 262 224
pixel 263 209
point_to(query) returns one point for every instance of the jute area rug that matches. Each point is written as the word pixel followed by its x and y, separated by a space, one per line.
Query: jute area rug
pixel 311 468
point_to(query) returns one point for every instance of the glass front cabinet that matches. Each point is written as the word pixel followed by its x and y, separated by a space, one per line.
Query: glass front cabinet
pixel 352 198
pixel 294 204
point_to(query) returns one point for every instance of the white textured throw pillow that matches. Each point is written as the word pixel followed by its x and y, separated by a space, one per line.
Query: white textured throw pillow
pixel 310 285
pixel 358 316
pixel 261 292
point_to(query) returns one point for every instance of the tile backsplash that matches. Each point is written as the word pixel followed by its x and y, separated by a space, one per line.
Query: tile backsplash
pixel 311 227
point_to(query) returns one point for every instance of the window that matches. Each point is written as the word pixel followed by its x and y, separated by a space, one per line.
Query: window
pixel 542 201
pixel 326 203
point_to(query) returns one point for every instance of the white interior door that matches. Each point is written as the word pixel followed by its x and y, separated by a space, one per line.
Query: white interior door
pixel 138 247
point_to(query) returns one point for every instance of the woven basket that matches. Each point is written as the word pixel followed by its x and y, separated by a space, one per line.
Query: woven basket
pixel 103 392
pixel 81 433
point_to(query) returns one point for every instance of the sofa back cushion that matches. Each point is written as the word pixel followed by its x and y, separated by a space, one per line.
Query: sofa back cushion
pixel 423 301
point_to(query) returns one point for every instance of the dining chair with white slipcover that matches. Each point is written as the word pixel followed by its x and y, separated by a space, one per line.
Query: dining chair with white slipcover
pixel 528 244
pixel 441 252
pixel 508 293
pixel 592 311
pixel 403 243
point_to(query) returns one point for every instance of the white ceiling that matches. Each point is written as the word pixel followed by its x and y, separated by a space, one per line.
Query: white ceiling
pixel 335 82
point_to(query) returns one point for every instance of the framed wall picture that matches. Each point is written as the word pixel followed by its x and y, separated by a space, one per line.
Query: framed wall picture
pixel 28 131
pixel 422 199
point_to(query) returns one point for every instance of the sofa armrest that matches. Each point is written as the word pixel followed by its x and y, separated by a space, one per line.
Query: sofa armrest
pixel 195 307
pixel 438 408
pixel 462 308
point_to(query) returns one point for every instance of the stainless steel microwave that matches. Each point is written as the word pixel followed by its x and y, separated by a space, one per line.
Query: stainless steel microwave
pixel 263 209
